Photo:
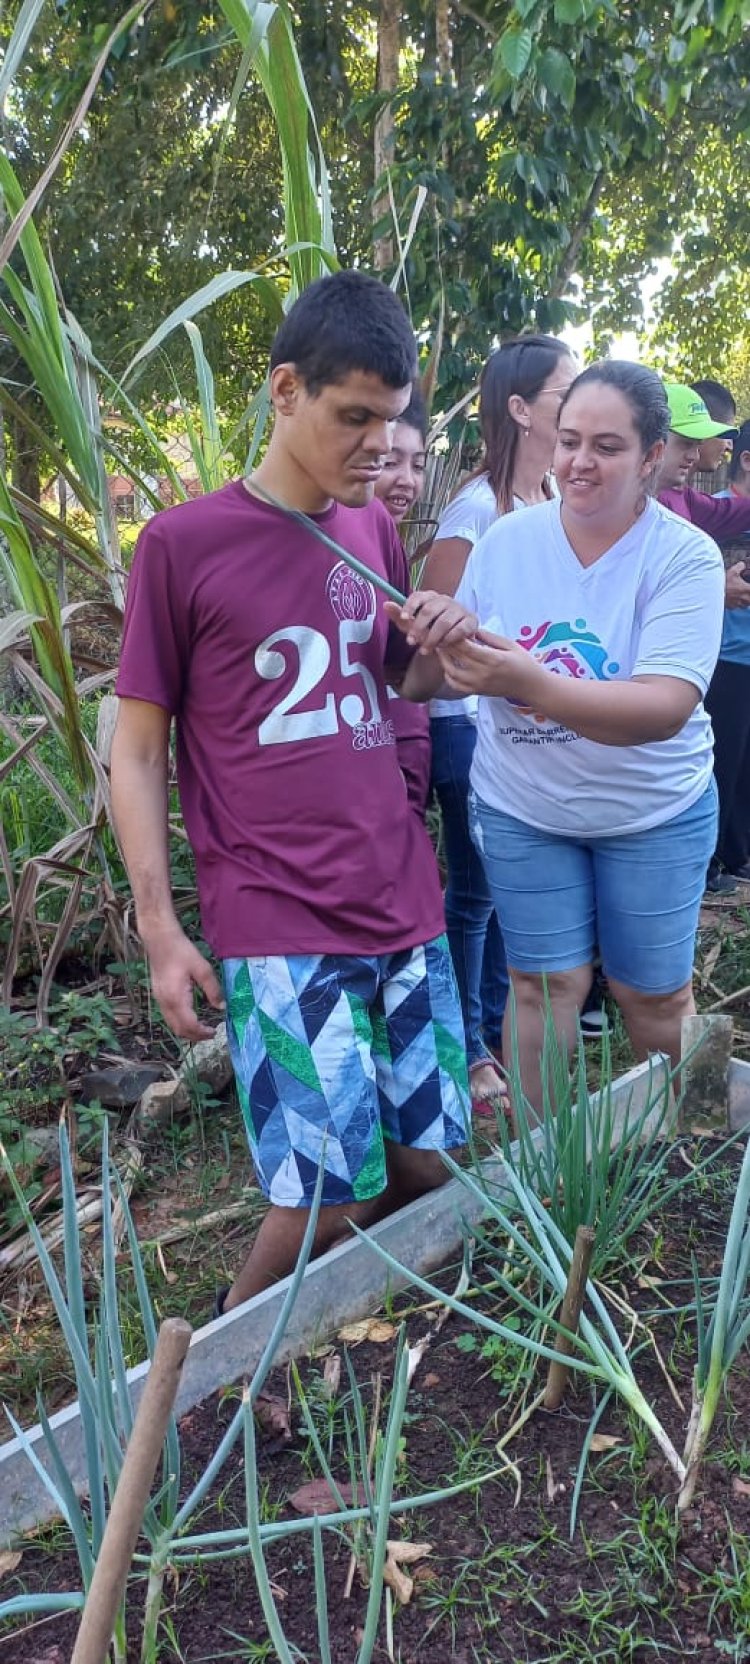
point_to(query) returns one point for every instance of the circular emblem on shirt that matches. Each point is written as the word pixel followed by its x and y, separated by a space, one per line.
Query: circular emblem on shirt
pixel 349 595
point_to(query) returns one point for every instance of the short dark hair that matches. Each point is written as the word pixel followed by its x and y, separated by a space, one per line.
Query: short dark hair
pixel 741 443
pixel 348 321
pixel 643 389
pixel 716 397
pixel 415 414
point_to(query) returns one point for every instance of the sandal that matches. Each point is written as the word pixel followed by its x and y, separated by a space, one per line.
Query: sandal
pixel 484 1102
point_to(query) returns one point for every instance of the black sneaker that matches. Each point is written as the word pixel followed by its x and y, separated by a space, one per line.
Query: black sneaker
pixel 221 1294
pixel 742 874
pixel 721 884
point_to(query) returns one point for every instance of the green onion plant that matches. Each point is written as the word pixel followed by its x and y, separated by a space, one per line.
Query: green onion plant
pixel 595 1159
pixel 107 1419
pixel 722 1336
pixel 532 1245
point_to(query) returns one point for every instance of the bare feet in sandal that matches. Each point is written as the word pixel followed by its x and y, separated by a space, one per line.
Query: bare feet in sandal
pixel 488 1089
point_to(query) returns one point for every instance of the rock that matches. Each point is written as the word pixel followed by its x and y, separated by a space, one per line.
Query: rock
pixel 122 1084
pixel 41 1146
pixel 162 1100
pixel 208 1063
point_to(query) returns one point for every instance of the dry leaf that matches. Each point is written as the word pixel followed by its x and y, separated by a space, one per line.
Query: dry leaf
pixel 740 1487
pixel 370 1328
pixel 399 1554
pixel 401 1584
pixel 9 1559
pixel 604 1441
pixel 405 1553
pixel 551 1487
pixel 414 1356
pixel 316 1498
pixel 709 964
pixel 272 1415
pixel 332 1375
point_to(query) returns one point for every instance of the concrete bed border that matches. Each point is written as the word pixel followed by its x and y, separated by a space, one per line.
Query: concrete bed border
pixel 343 1285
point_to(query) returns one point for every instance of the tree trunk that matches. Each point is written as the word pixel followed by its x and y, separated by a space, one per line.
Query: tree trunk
pixel 578 236
pixel 443 40
pixel 385 132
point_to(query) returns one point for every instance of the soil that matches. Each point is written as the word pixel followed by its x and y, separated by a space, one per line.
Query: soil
pixel 503 1580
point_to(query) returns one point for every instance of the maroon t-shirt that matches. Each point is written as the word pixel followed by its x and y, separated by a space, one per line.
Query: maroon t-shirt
pixel 270 653
pixel 412 728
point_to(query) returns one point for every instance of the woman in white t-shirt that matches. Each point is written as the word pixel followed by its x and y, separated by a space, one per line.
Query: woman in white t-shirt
pixel 521 389
pixel 594 802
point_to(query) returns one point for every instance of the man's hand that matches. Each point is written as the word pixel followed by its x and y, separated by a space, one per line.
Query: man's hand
pixel 176 968
pixel 431 621
pixel 737 588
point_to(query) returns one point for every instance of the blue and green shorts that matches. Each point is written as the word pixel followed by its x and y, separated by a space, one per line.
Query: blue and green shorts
pixel 349 1050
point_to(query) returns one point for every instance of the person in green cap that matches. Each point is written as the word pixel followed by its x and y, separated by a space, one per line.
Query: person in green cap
pixel 690 424
pixel 725 519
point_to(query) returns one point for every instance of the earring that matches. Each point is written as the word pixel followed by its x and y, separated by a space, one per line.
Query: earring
pixel 527 431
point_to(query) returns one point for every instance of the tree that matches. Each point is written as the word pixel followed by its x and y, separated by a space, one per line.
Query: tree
pixel 571 147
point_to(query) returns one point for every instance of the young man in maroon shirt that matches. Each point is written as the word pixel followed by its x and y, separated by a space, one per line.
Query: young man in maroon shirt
pixel 318 886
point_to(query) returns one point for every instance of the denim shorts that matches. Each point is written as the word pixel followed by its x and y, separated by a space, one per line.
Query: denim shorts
pixel 349 1049
pixel 638 894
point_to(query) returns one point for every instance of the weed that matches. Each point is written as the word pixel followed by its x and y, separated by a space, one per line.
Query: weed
pixel 730 1582
pixel 507 1366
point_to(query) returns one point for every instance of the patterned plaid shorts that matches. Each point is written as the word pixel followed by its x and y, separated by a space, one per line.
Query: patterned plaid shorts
pixel 356 1049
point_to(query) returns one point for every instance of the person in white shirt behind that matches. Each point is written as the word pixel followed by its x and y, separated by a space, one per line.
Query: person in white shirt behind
pixel 594 803
pixel 522 386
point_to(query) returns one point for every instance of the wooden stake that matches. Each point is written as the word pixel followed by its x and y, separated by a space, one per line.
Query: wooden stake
pixel 132 1494
pixel 570 1312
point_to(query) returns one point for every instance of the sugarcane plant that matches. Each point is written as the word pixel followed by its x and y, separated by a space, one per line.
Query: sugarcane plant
pixel 88 415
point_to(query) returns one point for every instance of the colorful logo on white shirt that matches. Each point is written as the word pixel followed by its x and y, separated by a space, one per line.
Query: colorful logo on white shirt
pixel 568 650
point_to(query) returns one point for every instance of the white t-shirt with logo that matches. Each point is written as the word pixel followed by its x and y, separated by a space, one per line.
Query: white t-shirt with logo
pixel 652 605
pixel 469 515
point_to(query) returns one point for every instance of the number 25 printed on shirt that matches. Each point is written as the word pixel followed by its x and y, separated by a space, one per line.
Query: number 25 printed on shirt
pixel 285 723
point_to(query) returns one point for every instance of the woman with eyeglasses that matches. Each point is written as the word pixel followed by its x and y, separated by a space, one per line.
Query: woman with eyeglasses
pixel 522 387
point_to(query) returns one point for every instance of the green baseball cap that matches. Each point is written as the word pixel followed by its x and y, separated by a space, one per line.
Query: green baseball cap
pixel 689 415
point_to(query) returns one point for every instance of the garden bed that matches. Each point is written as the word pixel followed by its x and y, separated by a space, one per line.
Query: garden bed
pixel 502 1580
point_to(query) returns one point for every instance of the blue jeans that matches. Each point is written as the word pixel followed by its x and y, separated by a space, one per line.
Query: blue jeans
pixel 638 893
pixel 473 931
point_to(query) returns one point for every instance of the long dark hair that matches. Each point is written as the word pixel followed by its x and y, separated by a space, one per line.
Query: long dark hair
pixel 519 366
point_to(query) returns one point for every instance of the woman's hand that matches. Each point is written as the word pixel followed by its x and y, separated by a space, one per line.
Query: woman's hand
pixel 430 621
pixel 495 667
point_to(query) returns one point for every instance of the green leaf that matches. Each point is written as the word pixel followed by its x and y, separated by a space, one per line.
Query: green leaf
pixel 556 72
pixel 672 100
pixel 224 284
pixel 22 31
pixel 515 50
pixel 569 11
